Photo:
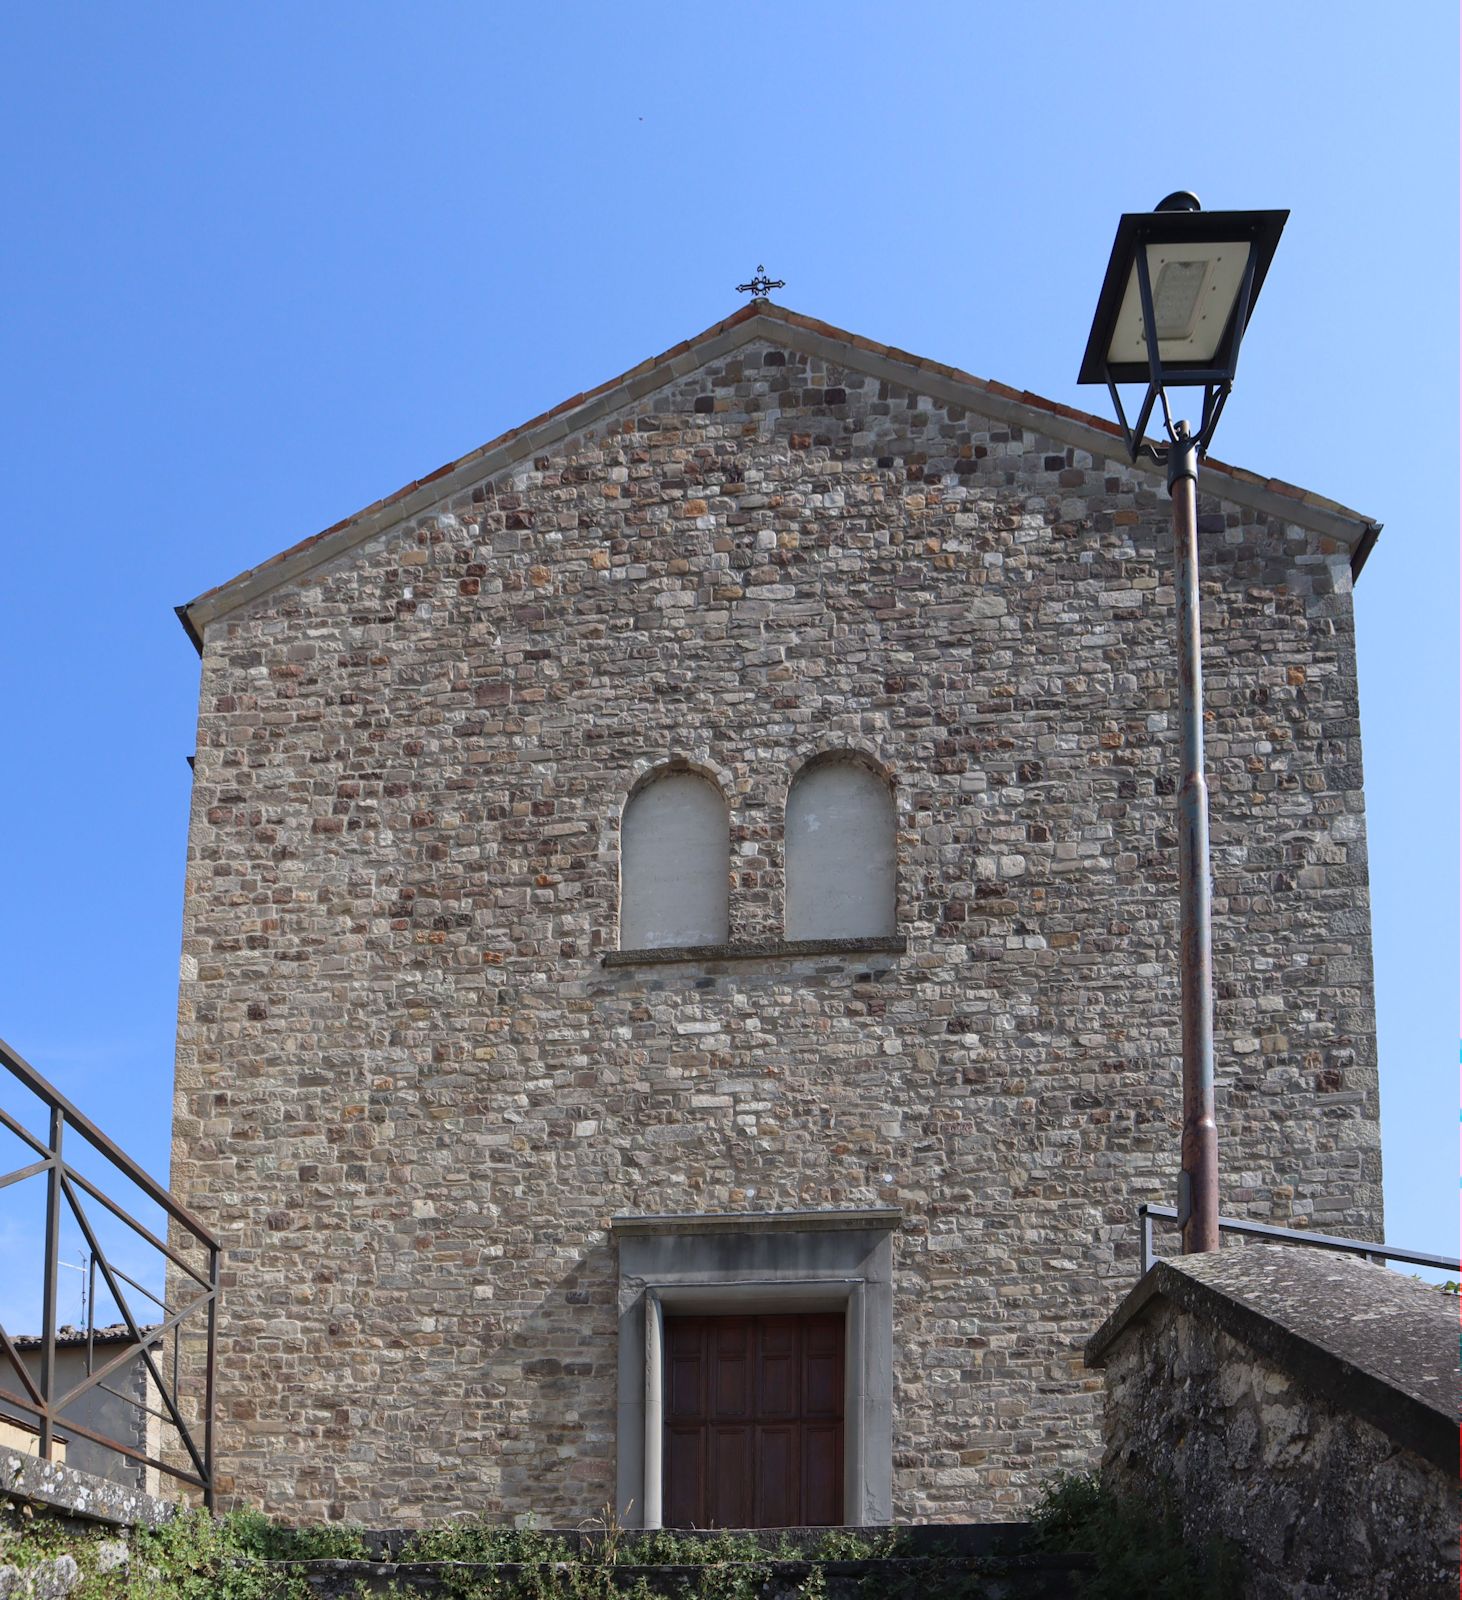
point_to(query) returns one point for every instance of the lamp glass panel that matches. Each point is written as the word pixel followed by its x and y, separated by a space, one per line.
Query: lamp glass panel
pixel 1194 287
pixel 1176 298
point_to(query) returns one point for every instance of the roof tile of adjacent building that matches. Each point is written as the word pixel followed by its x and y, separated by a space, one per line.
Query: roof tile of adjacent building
pixel 69 1336
pixel 793 330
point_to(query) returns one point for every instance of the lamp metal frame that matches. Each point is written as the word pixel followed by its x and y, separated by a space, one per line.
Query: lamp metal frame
pixel 1135 233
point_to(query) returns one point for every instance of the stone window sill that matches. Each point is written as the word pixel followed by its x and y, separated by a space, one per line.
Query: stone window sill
pixel 757 950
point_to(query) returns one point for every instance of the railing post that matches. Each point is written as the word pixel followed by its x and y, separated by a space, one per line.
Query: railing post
pixel 90 1309
pixel 209 1371
pixel 1144 1224
pixel 50 1273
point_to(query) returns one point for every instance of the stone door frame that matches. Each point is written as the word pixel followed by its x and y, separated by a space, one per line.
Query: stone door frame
pixel 757 1263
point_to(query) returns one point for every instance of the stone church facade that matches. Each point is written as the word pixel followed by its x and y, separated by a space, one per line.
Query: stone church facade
pixel 679 998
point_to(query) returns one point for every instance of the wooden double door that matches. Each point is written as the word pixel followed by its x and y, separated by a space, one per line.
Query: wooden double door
pixel 753 1421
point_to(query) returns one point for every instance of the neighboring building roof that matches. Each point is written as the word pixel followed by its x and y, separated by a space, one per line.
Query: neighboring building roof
pixel 68 1335
pixel 1369 1340
pixel 793 331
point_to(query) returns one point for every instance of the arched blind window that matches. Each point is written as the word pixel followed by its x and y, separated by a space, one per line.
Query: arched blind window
pixel 674 858
pixel 841 874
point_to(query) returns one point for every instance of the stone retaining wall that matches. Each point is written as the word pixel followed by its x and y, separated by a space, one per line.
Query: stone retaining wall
pixel 73 1495
pixel 1303 1408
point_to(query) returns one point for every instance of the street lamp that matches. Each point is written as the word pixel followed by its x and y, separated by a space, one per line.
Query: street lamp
pixel 1179 291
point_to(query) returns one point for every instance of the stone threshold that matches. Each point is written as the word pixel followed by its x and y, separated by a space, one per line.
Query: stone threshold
pixel 757 950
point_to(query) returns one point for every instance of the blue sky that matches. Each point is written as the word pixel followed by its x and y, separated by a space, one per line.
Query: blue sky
pixel 264 264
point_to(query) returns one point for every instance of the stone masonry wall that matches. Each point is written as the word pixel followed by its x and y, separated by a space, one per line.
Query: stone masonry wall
pixel 1322 1505
pixel 410 1095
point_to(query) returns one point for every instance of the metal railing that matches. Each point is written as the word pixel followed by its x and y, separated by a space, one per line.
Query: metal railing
pixel 1146 1214
pixel 65 1187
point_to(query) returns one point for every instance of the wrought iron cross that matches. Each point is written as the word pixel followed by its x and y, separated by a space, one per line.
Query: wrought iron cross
pixel 759 285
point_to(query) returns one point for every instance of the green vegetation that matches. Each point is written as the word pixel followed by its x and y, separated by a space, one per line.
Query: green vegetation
pixel 552 1567
pixel 246 1556
pixel 605 1544
pixel 1138 1547
pixel 195 1556
pixel 1138 1550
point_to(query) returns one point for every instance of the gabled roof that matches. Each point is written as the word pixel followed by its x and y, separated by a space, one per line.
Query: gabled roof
pixel 792 331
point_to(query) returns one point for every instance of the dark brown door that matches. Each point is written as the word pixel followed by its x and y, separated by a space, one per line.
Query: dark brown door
pixel 753 1421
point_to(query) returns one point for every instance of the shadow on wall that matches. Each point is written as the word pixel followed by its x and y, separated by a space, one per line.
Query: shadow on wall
pixel 552 1381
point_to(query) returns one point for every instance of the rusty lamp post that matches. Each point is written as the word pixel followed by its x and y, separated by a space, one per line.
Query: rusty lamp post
pixel 1179 291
